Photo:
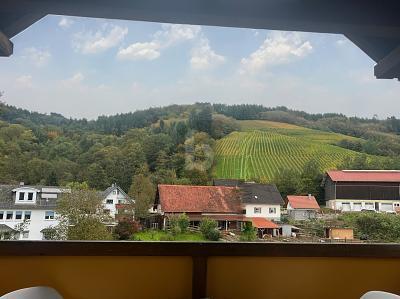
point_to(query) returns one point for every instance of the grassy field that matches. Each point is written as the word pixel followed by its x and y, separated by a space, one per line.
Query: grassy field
pixel 262 148
pixel 159 235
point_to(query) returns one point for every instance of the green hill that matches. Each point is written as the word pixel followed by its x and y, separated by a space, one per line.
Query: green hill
pixel 262 148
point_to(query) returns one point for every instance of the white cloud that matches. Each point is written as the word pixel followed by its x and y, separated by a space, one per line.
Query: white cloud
pixel 24 81
pixel 65 22
pixel 203 57
pixel 278 48
pixel 137 51
pixel 170 35
pixel 74 79
pixel 36 56
pixel 175 33
pixel 104 39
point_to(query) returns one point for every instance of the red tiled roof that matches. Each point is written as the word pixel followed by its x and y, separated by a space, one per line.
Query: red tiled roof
pixel 199 199
pixel 259 222
pixel 302 202
pixel 364 175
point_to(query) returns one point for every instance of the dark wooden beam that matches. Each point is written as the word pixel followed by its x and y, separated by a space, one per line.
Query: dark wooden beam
pixel 339 16
pixel 135 248
pixel 6 46
pixel 389 66
pixel 376 47
pixel 199 277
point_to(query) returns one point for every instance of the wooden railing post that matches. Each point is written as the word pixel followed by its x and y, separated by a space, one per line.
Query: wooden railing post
pixel 199 277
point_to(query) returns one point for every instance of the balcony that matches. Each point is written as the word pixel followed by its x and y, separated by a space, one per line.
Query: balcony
pixel 186 270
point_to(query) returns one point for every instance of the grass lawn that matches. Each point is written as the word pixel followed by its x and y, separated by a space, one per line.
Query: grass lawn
pixel 159 235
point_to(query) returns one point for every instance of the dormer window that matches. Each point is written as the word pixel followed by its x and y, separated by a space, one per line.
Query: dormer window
pixel 25 195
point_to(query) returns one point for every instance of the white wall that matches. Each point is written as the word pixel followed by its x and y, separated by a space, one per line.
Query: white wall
pixel 264 211
pixel 384 205
pixel 36 224
pixel 116 197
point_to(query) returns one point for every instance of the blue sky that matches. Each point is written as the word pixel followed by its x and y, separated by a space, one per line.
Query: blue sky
pixel 83 67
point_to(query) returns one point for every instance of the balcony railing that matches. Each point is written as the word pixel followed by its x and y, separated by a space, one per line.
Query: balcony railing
pixel 199 270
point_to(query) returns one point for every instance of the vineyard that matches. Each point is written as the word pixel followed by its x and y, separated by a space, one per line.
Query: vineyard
pixel 262 153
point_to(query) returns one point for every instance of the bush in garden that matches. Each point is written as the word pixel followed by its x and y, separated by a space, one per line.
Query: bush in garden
pixel 183 222
pixel 209 229
pixel 249 233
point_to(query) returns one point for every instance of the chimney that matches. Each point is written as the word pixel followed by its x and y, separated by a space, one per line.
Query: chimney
pixel 21 183
pixel 309 196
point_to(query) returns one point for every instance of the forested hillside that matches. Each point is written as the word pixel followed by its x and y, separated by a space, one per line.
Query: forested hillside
pixel 177 143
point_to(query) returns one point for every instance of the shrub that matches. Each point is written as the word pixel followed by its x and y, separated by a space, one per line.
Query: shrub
pixel 249 233
pixel 125 229
pixel 174 225
pixel 183 222
pixel 209 229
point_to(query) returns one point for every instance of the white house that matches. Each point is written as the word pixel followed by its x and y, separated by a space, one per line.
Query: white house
pixel 261 200
pixel 113 197
pixel 35 207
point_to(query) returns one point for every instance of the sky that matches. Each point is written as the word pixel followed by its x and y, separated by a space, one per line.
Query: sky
pixel 84 67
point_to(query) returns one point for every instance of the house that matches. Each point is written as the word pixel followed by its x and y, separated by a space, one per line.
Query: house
pixel 258 200
pixel 27 212
pixel 115 200
pixel 302 207
pixel 358 190
pixel 229 204
pixel 197 202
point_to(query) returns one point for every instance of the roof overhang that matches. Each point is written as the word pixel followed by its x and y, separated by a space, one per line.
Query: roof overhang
pixel 372 27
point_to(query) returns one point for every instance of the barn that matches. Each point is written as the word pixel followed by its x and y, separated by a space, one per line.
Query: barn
pixel 359 190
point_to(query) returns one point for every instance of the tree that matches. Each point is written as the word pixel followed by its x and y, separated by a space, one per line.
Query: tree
pixel 142 191
pixel 287 181
pixel 81 216
pixel 201 119
pixel 97 177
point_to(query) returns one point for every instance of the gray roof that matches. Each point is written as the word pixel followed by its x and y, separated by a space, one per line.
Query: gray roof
pixel 7 200
pixel 253 192
pixel 261 194
pixel 6 229
pixel 111 189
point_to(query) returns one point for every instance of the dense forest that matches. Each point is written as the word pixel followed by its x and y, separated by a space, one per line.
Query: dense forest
pixel 172 144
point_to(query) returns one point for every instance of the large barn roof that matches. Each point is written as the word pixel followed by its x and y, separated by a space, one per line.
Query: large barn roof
pixel 364 175
pixel 199 199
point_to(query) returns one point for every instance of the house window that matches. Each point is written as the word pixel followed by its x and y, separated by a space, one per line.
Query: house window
pixel 9 215
pixel 18 215
pixel 49 215
pixel 115 192
pixel 21 196
pixel 272 210
pixel 106 211
pixel 28 215
pixel 25 235
pixel 30 196
pixel 109 201
pixel 257 210
pixel 1 215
